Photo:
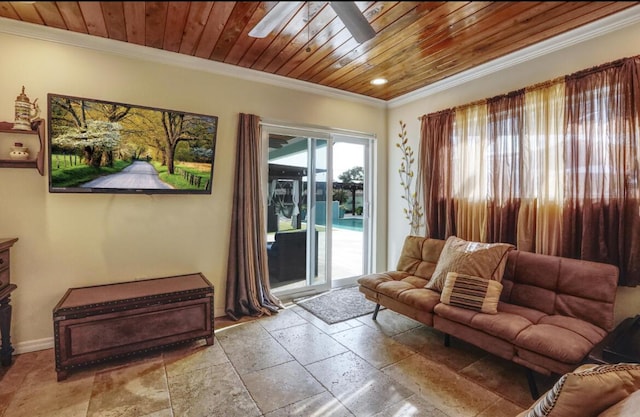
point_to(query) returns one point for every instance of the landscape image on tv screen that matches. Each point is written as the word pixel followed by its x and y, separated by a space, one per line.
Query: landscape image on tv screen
pixel 107 147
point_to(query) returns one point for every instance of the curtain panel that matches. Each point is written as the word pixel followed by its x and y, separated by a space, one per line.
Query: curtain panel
pixel 247 290
pixel 435 173
pixel 553 168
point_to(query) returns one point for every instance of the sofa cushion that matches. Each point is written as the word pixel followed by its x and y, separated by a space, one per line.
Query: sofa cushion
pixel 559 343
pixel 473 293
pixel 484 260
pixel 419 256
pixel 420 298
pixel 373 280
pixel 504 325
pixel 587 391
pixel 563 286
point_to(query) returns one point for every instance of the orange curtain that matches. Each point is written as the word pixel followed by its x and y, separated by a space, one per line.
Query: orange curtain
pixel 247 291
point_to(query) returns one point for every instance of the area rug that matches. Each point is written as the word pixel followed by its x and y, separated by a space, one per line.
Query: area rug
pixel 338 305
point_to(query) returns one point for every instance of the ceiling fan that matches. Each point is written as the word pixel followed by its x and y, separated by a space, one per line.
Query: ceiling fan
pixel 347 11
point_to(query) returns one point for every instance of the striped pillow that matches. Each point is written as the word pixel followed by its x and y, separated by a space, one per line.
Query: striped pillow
pixel 473 293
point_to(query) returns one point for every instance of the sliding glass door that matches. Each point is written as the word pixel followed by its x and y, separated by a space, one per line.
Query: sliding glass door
pixel 351 228
pixel 318 219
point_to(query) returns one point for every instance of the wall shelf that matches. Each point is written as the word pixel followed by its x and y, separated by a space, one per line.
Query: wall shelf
pixel 6 131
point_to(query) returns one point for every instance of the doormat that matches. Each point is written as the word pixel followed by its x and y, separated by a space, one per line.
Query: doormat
pixel 338 305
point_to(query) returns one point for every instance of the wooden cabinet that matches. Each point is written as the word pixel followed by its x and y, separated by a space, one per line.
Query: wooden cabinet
pixel 6 288
pixel 33 139
pixel 5 246
pixel 99 323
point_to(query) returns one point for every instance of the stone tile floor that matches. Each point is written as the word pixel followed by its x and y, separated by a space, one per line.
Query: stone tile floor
pixel 288 364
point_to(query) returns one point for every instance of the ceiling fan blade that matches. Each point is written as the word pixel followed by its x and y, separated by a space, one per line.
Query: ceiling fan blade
pixel 354 20
pixel 273 18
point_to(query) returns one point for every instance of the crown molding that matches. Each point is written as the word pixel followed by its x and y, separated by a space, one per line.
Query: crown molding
pixel 601 27
pixel 129 50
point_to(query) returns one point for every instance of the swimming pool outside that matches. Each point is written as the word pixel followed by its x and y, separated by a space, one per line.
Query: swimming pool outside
pixel 349 223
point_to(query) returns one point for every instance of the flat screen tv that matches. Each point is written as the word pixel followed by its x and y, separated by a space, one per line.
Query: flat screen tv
pixel 98 146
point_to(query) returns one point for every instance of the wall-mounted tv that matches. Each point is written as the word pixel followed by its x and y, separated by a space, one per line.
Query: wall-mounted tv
pixel 98 146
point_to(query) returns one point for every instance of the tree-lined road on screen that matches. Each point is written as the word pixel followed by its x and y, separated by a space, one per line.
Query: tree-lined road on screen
pixel 139 174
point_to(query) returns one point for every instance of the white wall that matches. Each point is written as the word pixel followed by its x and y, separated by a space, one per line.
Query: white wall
pixel 619 44
pixel 71 240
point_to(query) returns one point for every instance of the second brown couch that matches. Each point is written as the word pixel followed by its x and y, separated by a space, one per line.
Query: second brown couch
pixel 551 312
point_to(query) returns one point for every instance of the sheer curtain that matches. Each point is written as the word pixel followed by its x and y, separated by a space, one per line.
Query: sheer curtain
pixel 470 164
pixel 542 194
pixel 505 116
pixel 601 212
pixel 435 172
pixel 247 291
pixel 553 168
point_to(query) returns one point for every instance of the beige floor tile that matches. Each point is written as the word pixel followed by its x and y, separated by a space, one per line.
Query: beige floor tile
pixel 320 324
pixel 389 322
pixel 281 385
pixel 414 406
pixel 11 377
pixel 501 408
pixel 307 344
pixel 250 355
pixel 363 389
pixel 130 391
pixel 48 398
pixel 215 391
pixel 167 412
pixel 282 320
pixel 441 386
pixel 242 331
pixel 192 357
pixel 321 405
pixel 430 342
pixel 372 345
pixel 503 377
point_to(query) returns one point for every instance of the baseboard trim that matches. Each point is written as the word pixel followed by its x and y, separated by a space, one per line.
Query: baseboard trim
pixel 33 345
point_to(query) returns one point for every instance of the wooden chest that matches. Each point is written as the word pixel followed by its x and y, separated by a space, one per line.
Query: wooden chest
pixel 5 267
pixel 98 323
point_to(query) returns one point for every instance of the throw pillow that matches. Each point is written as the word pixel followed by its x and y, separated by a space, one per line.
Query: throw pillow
pixel 473 293
pixel 484 260
pixel 587 391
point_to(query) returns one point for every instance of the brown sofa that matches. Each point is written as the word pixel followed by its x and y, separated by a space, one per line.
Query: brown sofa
pixel 551 312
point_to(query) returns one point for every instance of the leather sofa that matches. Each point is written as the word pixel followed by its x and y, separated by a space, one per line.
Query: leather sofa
pixel 550 314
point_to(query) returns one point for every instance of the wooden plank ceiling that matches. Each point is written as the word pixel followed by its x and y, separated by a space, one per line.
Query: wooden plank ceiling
pixel 417 43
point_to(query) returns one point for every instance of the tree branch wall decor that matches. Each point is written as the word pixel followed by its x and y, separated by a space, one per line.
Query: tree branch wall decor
pixel 413 212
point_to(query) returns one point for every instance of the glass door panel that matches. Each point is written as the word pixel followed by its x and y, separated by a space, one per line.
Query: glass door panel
pixel 351 224
pixel 296 214
pixel 318 210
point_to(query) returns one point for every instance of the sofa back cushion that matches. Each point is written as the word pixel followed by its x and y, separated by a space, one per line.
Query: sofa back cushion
pixel 419 256
pixel 555 285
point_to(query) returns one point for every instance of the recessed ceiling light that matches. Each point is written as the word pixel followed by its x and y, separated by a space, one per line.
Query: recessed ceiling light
pixel 379 81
